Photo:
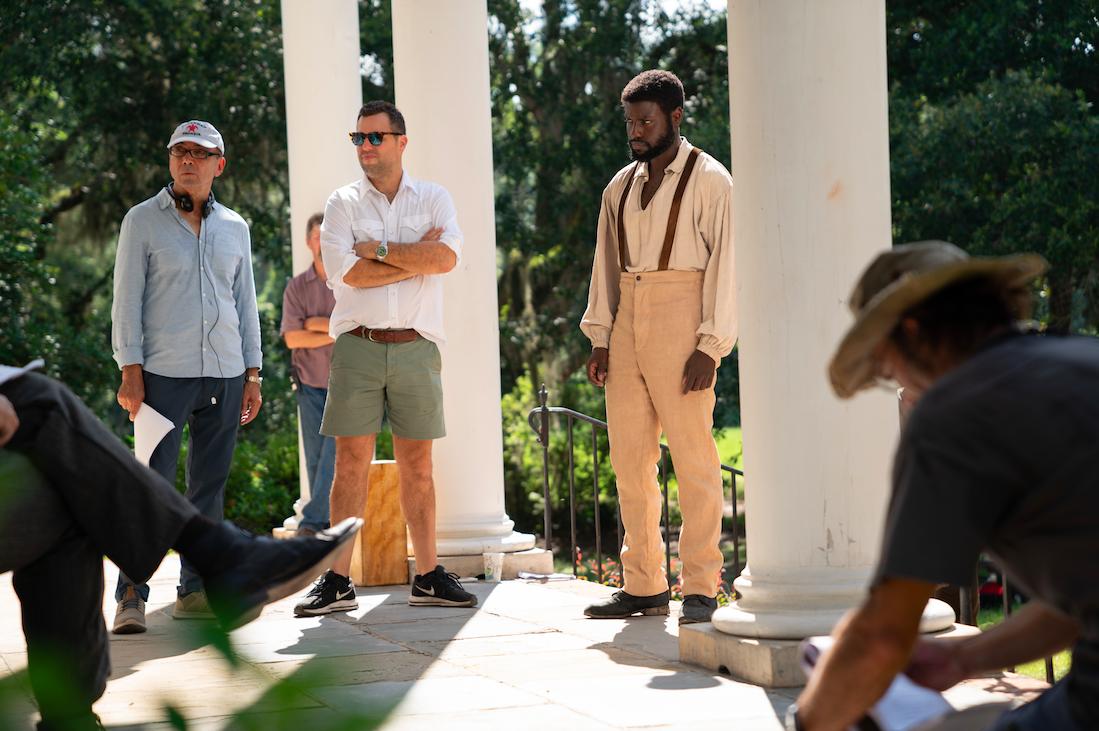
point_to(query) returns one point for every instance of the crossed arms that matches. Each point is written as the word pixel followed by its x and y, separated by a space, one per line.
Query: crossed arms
pixel 429 255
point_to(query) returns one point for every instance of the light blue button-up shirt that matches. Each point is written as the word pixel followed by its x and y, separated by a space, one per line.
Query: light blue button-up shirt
pixel 184 305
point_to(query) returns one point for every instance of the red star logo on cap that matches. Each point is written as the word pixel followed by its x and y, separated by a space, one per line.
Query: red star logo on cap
pixel 192 128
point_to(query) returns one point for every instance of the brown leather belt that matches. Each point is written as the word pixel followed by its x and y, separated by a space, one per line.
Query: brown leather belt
pixel 384 336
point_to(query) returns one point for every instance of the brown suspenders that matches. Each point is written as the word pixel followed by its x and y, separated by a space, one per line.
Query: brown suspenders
pixel 673 213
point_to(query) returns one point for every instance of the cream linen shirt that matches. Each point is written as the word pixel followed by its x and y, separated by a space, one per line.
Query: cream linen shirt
pixel 703 243
pixel 359 212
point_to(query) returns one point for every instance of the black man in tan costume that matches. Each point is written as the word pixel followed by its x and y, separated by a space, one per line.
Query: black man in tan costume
pixel 661 315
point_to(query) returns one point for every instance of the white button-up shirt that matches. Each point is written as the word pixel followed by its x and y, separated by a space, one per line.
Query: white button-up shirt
pixel 359 212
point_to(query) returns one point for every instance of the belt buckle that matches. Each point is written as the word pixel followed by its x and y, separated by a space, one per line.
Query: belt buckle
pixel 370 335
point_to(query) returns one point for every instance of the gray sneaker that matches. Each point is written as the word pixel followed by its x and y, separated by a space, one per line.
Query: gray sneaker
pixel 622 605
pixel 192 606
pixel 129 617
pixel 697 608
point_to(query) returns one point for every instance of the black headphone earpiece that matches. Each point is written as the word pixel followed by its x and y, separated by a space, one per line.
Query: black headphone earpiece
pixel 185 203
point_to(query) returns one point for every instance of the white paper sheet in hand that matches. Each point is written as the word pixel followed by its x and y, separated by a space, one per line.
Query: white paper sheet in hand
pixel 150 426
pixel 905 704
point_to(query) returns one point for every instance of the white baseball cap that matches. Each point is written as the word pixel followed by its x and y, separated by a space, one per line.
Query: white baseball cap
pixel 199 132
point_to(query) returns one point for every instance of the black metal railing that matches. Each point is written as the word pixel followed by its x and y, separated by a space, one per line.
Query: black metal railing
pixel 539 420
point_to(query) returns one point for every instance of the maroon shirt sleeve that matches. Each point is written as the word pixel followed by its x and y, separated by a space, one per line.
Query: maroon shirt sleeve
pixel 293 311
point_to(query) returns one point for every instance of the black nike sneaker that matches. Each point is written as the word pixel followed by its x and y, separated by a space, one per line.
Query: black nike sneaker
pixel 440 589
pixel 331 593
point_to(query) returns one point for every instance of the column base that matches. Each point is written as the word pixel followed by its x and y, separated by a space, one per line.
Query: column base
pixel 457 545
pixel 764 662
pixel 795 624
pixel 534 560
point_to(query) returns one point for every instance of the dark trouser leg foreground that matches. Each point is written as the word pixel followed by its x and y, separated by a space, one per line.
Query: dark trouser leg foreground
pixel 61 598
pixel 127 512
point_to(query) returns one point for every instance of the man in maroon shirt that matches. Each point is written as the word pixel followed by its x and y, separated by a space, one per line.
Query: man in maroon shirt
pixel 306 306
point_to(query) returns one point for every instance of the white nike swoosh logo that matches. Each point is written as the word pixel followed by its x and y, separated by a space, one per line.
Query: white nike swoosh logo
pixel 429 590
pixel 346 595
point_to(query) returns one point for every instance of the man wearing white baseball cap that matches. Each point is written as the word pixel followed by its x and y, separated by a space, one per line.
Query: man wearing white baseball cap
pixel 185 332
pixel 998 455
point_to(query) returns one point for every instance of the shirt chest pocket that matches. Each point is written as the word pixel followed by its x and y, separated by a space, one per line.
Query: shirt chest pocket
pixel 413 228
pixel 170 259
pixel 367 229
pixel 224 258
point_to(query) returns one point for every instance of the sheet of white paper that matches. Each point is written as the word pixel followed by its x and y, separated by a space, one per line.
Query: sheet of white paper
pixel 9 372
pixel 150 426
pixel 905 704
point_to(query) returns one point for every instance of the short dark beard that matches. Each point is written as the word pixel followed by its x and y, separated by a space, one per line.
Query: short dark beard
pixel 662 145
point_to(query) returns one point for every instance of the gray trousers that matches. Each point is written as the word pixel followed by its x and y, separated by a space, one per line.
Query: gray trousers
pixel 70 493
pixel 210 407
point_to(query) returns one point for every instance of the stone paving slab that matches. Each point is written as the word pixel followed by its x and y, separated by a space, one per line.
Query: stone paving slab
pixel 525 657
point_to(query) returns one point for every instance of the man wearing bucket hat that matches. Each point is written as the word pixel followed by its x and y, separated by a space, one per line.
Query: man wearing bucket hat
pixel 998 455
pixel 185 332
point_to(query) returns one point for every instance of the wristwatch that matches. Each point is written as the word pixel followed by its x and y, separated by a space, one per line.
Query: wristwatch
pixel 793 723
pixel 254 379
pixel 382 251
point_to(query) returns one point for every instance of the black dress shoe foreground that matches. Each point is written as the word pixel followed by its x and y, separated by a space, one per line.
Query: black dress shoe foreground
pixel 264 570
pixel 697 609
pixel 622 605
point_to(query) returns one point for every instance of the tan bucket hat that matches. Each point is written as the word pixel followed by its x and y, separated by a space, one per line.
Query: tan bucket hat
pixel 901 278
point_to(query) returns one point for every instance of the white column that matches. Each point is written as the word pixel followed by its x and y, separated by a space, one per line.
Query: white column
pixel 440 57
pixel 323 94
pixel 810 154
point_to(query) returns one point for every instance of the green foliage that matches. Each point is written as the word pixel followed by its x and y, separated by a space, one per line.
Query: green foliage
pixel 994 137
pixel 26 282
pixel 556 79
pixel 1006 168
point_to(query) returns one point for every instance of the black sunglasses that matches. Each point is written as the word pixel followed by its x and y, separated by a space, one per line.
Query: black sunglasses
pixel 376 138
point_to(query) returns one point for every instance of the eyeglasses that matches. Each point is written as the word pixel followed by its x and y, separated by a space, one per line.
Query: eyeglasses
pixel 375 138
pixel 196 153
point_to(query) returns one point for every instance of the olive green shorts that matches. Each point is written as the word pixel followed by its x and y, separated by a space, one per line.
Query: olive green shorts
pixel 401 380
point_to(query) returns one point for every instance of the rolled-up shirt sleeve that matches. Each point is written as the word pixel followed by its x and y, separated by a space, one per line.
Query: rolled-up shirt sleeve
pixel 244 294
pixel 603 291
pixel 337 243
pixel 130 269
pixel 445 216
pixel 717 332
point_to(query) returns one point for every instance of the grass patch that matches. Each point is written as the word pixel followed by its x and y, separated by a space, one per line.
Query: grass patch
pixel 1062 661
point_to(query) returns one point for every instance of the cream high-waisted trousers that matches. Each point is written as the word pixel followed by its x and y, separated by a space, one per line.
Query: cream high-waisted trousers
pixel 652 338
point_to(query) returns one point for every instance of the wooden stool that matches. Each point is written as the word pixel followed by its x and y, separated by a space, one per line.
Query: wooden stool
pixel 380 554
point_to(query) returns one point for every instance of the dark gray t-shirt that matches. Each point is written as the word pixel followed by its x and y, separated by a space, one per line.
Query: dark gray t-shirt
pixel 1002 455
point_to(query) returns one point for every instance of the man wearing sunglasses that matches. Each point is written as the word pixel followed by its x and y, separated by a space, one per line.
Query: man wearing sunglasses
pixel 661 315
pixel 185 332
pixel 386 241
